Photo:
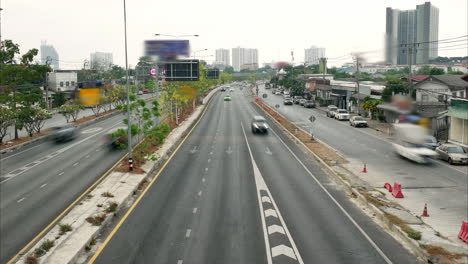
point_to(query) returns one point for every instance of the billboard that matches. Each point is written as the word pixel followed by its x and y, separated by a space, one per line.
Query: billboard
pixel 167 50
pixel 182 70
pixel 212 74
pixel 90 96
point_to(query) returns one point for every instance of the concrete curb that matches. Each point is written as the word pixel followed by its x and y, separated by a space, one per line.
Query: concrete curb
pixel 69 247
pixel 392 229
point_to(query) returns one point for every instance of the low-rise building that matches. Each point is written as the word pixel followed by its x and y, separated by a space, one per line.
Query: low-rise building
pixel 458 112
pixel 62 81
pixel 440 88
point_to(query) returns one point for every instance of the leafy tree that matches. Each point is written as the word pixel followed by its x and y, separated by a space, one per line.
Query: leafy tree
pixel 340 75
pixel 371 105
pixel 424 70
pixel 7 119
pixel 229 69
pixel 58 99
pixel 70 110
pixel 394 86
pixel 436 71
pixel 455 72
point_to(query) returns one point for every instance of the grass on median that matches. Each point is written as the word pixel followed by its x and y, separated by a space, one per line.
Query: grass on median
pixel 96 220
pixel 112 207
pixel 65 228
pixel 31 260
pixel 408 230
pixel 439 251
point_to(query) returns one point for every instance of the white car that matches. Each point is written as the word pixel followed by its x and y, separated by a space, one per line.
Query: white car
pixel 278 93
pixel 357 121
pixel 341 114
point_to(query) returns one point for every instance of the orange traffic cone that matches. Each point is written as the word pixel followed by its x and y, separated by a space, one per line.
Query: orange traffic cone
pixel 425 211
pixel 365 169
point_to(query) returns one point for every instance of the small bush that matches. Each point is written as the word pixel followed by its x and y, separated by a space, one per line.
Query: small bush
pixel 89 196
pixel 65 228
pixel 31 260
pixel 46 245
pixel 112 207
pixel 96 220
pixel 39 252
pixel 413 233
pixel 99 205
pixel 107 194
pixel 92 242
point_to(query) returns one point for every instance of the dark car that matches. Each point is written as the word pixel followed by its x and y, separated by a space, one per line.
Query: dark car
pixel 259 125
pixel 223 89
pixel 431 142
pixel 296 99
pixel 309 104
pixel 64 133
pixel 288 101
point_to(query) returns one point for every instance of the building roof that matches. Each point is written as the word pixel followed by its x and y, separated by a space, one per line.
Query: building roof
pixel 454 82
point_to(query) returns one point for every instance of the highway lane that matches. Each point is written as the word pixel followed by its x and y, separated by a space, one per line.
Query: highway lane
pixel 427 183
pixel 259 200
pixel 47 178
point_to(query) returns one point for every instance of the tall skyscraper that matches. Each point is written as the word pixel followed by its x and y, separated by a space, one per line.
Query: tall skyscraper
pixel 313 54
pixel 222 57
pixel 101 61
pixel 244 59
pixel 420 25
pixel 48 51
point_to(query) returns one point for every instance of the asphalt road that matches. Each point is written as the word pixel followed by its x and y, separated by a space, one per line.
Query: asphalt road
pixel 40 181
pixel 228 196
pixel 443 187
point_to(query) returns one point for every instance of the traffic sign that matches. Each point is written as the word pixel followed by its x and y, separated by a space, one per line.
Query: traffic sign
pixel 153 71
pixel 312 118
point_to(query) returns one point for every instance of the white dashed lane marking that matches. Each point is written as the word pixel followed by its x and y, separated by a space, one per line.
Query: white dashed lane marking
pixel 187 233
pixel 20 200
pixel 60 174
pixel 195 210
pixel 43 185
pixel 76 164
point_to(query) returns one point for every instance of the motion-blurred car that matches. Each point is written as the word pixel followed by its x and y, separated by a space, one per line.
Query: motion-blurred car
pixel 431 142
pixel 227 98
pixel 64 133
pixel 331 109
pixel 288 101
pixel 297 98
pixel 357 121
pixel 259 125
pixel 452 153
pixel 341 114
pixel 309 104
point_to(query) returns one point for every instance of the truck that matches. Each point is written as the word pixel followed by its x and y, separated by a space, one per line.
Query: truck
pixel 408 142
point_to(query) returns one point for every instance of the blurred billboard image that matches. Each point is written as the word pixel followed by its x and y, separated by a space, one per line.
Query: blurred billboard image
pixel 167 50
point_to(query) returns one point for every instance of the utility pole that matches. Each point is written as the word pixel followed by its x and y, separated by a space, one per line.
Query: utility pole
pixel 410 62
pixel 129 123
pixel 357 86
pixel 48 60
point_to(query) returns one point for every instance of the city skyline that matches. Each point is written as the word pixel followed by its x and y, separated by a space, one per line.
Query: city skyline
pixel 74 40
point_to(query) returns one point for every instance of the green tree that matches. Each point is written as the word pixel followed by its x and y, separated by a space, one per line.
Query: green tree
pixel 58 99
pixel 342 75
pixel 229 69
pixel 424 70
pixel 436 71
pixel 70 110
pixel 455 72
pixel 7 119
pixel 394 86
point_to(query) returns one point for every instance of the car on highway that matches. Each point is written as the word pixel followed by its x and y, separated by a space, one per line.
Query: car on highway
pixel 331 109
pixel 309 104
pixel 288 101
pixel 231 90
pixel 341 114
pixel 223 89
pixel 297 98
pixel 302 101
pixel 227 98
pixel 431 142
pixel 259 125
pixel 357 121
pixel 452 153
pixel 64 133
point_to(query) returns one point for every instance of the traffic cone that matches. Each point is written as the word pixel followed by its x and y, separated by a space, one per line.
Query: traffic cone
pixel 425 211
pixel 365 169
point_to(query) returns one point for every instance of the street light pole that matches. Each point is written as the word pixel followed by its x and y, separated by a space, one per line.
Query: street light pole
pixel 129 123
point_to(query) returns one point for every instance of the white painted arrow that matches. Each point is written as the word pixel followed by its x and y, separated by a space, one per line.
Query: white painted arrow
pixel 193 150
pixel 266 199
pixel 275 229
pixel 268 151
pixel 283 250
pixel 270 212
pixel 229 150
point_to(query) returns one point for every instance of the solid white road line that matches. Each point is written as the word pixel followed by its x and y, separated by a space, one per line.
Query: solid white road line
pixel 200 193
pixel 43 185
pixel 381 253
pixel 195 210
pixel 76 164
pixel 20 200
pixel 60 174
pixel 203 179
pixel 187 233
pixel 16 154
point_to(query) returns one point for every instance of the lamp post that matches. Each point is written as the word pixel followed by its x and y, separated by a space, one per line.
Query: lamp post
pixel 129 137
pixel 195 52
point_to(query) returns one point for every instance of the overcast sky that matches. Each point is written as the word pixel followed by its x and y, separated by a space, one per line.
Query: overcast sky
pixel 275 28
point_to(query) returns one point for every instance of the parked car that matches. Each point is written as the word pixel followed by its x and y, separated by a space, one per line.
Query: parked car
pixel 302 101
pixel 146 90
pixel 331 110
pixel 296 99
pixel 309 104
pixel 431 142
pixel 341 114
pixel 259 124
pixel 286 93
pixel 278 93
pixel 452 154
pixel 64 133
pixel 357 121
pixel 288 101
pixel 140 92
pixel 273 91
